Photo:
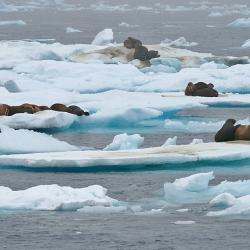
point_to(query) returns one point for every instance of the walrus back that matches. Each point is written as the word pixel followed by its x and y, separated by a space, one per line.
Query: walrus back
pixel 242 133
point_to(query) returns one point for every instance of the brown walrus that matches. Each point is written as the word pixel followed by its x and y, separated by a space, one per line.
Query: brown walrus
pixel 78 111
pixel 73 109
pixel 228 131
pixel 201 89
pixel 242 132
pixel 130 43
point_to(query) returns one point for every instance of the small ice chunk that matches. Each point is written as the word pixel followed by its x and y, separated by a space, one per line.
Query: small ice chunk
pixel 194 183
pixel 180 42
pixel 13 22
pixel 184 222
pixel 240 23
pixel 72 30
pixel 182 210
pixel 170 141
pixel 104 37
pixel 125 142
pixel 196 141
pixel 223 200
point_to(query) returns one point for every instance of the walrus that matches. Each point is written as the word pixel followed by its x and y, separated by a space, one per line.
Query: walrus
pixel 228 131
pixel 59 107
pixel 78 111
pixel 242 132
pixel 201 89
pixel 141 53
pixel 153 54
pixel 130 43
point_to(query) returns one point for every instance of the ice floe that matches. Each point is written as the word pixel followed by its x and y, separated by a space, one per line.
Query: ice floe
pixel 234 206
pixel 41 120
pixel 125 142
pixel 170 141
pixel 25 141
pixel 148 156
pixel 104 37
pixel 196 189
pixel 56 198
pixel 72 30
pixel 13 22
pixel 180 42
pixel 241 23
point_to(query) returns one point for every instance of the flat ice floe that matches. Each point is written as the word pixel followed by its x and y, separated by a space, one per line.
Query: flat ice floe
pixel 148 156
pixel 56 198
pixel 41 120
pixel 25 141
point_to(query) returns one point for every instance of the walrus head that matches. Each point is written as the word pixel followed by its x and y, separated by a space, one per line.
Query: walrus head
pixel 131 43
pixel 227 132
pixel 190 89
pixel 210 85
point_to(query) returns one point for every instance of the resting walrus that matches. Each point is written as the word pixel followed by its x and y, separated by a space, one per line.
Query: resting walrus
pixel 73 109
pixel 201 89
pixel 228 131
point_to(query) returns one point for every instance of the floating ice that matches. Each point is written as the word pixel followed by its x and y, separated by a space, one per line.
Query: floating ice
pixel 184 222
pixel 125 142
pixel 195 189
pixel 213 65
pixel 196 141
pixel 127 25
pixel 235 206
pixel 13 22
pixel 72 30
pixel 40 120
pixel 196 126
pixel 104 37
pixel 54 197
pixel 180 42
pixel 170 141
pixel 25 141
pixel 241 23
pixel 246 44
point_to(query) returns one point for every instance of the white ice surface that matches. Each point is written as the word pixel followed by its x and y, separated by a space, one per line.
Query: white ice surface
pixel 147 156
pixel 40 120
pixel 25 141
pixel 125 142
pixel 54 197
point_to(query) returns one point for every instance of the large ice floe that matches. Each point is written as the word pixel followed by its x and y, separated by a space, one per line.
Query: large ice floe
pixel 180 154
pixel 56 198
pixel 25 141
